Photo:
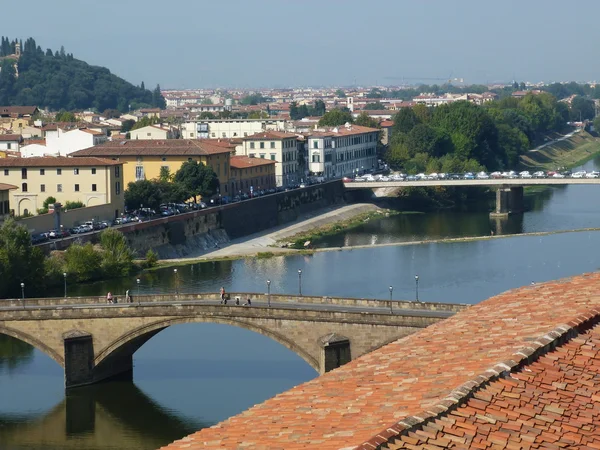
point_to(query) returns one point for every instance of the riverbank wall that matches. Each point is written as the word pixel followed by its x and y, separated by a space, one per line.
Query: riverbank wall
pixel 180 235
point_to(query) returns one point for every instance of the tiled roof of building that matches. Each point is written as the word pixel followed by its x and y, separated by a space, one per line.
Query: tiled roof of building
pixel 269 135
pixel 387 123
pixel 18 110
pixel 244 162
pixel 485 358
pixel 56 161
pixel 159 147
pixel 11 137
pixel 7 187
pixel 342 131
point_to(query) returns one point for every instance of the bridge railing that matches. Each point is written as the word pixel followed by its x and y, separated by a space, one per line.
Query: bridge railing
pixel 262 298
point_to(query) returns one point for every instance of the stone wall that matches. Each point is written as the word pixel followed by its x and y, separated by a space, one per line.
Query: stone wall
pixel 69 219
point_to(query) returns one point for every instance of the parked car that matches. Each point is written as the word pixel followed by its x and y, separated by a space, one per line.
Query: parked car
pixel 539 174
pixel 483 176
pixel 593 174
pixel 39 238
pixel 468 176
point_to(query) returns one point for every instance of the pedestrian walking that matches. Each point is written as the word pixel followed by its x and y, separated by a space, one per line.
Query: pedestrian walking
pixel 222 295
pixel 109 298
pixel 128 297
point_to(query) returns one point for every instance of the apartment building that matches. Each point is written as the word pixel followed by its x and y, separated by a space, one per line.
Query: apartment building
pixel 11 142
pixel 277 146
pixel 92 181
pixel 229 128
pixel 64 142
pixel 151 132
pixel 342 151
pixel 143 159
pixel 251 174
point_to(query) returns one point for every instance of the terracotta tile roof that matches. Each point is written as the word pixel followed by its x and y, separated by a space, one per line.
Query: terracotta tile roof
pixel 387 123
pixel 94 132
pixel 56 161
pixel 419 380
pixel 11 137
pixel 7 187
pixel 18 110
pixel 269 135
pixel 243 162
pixel 158 147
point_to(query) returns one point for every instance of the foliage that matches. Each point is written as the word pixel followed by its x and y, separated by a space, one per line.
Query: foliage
pixel 49 201
pixel 83 262
pixel 151 258
pixel 340 93
pixel 258 115
pixel 375 106
pixel 143 192
pixel 299 112
pixel 364 120
pixel 65 116
pixel 336 117
pixel 582 109
pixel 252 99
pixel 20 262
pixel 59 81
pixel 197 178
pixel 597 124
pixel 165 174
pixel 117 257
pixel 73 205
pixel 127 125
pixel 144 122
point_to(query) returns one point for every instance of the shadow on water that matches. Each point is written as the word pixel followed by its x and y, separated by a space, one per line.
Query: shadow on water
pixel 109 415
pixel 13 353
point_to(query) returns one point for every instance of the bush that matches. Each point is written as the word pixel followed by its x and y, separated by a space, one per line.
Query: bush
pixel 117 257
pixel 83 262
pixel 151 258
pixel 73 205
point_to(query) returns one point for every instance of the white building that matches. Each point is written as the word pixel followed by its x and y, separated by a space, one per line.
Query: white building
pixel 277 146
pixel 151 132
pixel 342 151
pixel 229 128
pixel 35 148
pixel 66 142
pixel 10 142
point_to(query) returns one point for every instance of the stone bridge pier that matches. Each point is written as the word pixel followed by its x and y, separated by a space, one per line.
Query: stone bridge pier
pixel 509 200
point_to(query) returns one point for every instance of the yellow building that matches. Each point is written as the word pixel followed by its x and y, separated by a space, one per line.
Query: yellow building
pixel 143 159
pixel 92 181
pixel 247 172
pixel 5 200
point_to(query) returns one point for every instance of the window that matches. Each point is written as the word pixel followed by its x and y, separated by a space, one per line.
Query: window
pixel 118 187
pixel 148 134
pixel 8 146
pixel 223 135
pixel 94 189
pixel 42 188
pixel 251 144
pixel 117 171
pixel 76 188
pixel 315 144
pixel 272 156
pixel 24 173
pixel 42 171
pixel 5 171
pixel 245 134
pixel 76 171
pixel 24 187
pixel 93 171
pixel 262 145
pixel 58 171
pixel 213 134
pixel 163 159
pixel 139 173
pixel 316 158
pixel 251 155
pixel 262 156
pixel 272 144
pixel 191 134
pixel 59 188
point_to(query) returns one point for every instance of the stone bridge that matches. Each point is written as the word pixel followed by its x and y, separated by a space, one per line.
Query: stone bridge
pixel 94 341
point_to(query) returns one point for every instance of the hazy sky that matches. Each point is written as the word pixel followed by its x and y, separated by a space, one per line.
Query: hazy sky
pixel 281 43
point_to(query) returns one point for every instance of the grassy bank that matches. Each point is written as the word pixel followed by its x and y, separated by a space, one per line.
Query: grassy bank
pixel 297 241
pixel 571 152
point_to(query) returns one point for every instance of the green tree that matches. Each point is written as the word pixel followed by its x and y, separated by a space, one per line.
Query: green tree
pixel 144 122
pixel 318 109
pixel 597 124
pixel 73 205
pixel 375 106
pixel 143 192
pixel 364 120
pixel 252 99
pixel 127 125
pixel 340 93
pixel 165 174
pixel 335 117
pixel 197 178
pixel 206 101
pixel 582 109
pixel 404 121
pixel 83 262
pixel 117 257
pixel 258 115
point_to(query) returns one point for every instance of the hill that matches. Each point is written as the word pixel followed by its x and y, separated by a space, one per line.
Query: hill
pixel 30 76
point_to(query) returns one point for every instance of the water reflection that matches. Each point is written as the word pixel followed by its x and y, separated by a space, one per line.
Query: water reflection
pixel 13 353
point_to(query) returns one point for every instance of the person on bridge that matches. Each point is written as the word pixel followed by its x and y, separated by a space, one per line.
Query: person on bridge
pixel 128 298
pixel 109 298
pixel 222 294
pixel 248 302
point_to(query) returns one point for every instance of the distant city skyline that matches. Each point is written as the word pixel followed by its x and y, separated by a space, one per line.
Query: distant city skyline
pixel 238 44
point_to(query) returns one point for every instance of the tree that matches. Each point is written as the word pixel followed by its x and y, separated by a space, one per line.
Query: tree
pixel 197 178
pixel 404 121
pixel 165 174
pixel 252 99
pixel 582 109
pixel 375 106
pixel 111 113
pixel 117 257
pixel 335 117
pixel 157 98
pixel 144 122
pixel 597 124
pixel 65 116
pixel 206 101
pixel 83 262
pixel 20 262
pixel 364 120
pixel 319 109
pixel 127 125
pixel 143 192
pixel 258 115
pixel 340 93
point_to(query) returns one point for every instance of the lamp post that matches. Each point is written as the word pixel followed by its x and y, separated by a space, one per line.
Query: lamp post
pixel 269 293
pixel 391 290
pixel 299 281
pixel 138 290
pixel 23 291
pixel 417 286
pixel 65 277
pixel 176 281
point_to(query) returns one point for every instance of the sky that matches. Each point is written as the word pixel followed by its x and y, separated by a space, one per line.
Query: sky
pixel 293 43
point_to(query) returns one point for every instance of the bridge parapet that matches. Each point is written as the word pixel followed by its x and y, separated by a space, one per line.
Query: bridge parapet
pixel 255 297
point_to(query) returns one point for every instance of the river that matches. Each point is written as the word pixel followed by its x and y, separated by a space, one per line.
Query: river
pixel 219 370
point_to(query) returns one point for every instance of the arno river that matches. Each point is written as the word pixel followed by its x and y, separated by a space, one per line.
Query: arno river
pixel 194 375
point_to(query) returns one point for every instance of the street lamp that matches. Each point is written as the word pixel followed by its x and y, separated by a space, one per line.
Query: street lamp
pixel 23 291
pixel 138 290
pixel 269 293
pixel 300 281
pixel 417 286
pixel 65 277
pixel 176 281
pixel 391 290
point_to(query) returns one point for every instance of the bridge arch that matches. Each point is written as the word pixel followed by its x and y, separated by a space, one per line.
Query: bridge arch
pixel 134 339
pixel 34 343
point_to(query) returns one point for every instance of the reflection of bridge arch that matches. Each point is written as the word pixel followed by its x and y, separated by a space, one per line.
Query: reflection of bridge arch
pixel 34 343
pixel 134 339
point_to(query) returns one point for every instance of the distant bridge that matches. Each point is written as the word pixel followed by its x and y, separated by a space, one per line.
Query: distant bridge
pixel 509 195
pixel 93 340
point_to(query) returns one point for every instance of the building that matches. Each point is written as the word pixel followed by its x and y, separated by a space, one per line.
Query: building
pixel 63 142
pixel 5 200
pixel 11 142
pixel 143 159
pixel 92 181
pixel 151 132
pixel 35 147
pixel 277 146
pixel 229 128
pixel 386 131
pixel 18 111
pixel 342 151
pixel 251 174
